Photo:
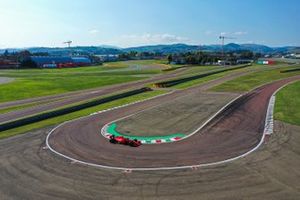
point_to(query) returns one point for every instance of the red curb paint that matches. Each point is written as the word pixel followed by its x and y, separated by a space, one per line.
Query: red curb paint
pixel 177 138
pixel 158 141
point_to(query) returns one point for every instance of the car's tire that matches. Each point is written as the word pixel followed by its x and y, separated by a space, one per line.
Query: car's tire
pixel 113 141
pixel 132 144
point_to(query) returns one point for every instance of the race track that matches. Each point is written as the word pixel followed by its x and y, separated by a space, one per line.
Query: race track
pixel 235 131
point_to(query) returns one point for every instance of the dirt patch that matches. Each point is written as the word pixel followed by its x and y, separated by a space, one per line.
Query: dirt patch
pixel 182 115
pixel 4 80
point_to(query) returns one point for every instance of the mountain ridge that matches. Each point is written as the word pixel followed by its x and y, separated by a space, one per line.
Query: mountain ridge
pixel 160 48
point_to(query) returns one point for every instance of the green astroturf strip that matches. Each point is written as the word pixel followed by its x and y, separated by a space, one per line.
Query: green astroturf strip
pixel 112 130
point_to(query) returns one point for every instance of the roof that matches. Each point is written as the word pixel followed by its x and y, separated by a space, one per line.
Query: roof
pixel 58 59
pixel 81 60
pixel 50 59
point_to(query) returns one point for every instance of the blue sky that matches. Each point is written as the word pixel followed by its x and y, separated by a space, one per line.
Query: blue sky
pixel 127 23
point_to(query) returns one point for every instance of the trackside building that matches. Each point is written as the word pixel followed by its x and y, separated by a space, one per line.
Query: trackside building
pixel 265 62
pixel 59 62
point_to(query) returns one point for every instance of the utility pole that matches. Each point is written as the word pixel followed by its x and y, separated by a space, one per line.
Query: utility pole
pixel 69 46
pixel 222 38
pixel 222 45
pixel 69 43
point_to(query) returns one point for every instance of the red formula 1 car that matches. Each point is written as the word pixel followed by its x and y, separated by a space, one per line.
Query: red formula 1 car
pixel 126 141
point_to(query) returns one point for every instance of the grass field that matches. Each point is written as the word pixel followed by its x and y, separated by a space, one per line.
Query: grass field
pixel 200 80
pixel 250 81
pixel 121 64
pixel 34 87
pixel 287 106
pixel 41 82
pixel 74 115
pixel 209 78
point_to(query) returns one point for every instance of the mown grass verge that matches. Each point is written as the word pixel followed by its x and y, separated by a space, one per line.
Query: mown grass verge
pixel 250 81
pixel 188 81
pixel 287 105
pixel 202 80
pixel 37 87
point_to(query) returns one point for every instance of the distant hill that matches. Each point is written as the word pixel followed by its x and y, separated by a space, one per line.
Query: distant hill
pixel 172 48
pixel 166 49
pixel 178 48
pixel 99 50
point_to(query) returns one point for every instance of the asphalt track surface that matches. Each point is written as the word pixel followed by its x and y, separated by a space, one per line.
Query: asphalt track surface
pixel 235 131
pixel 55 101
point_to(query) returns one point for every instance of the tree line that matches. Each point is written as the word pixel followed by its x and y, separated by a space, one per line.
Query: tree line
pixel 203 58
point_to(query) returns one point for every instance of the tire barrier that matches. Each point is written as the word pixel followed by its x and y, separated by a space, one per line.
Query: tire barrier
pixel 67 110
pixel 186 79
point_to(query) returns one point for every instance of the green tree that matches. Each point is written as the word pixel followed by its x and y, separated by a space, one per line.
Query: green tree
pixel 170 58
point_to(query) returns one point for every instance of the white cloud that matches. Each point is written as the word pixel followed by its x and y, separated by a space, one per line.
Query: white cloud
pixel 93 31
pixel 237 33
pixel 148 38
pixel 208 32
pixel 240 33
pixel 224 33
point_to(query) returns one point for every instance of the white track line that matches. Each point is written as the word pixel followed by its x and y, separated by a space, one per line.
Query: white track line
pixel 269 122
pixel 161 168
